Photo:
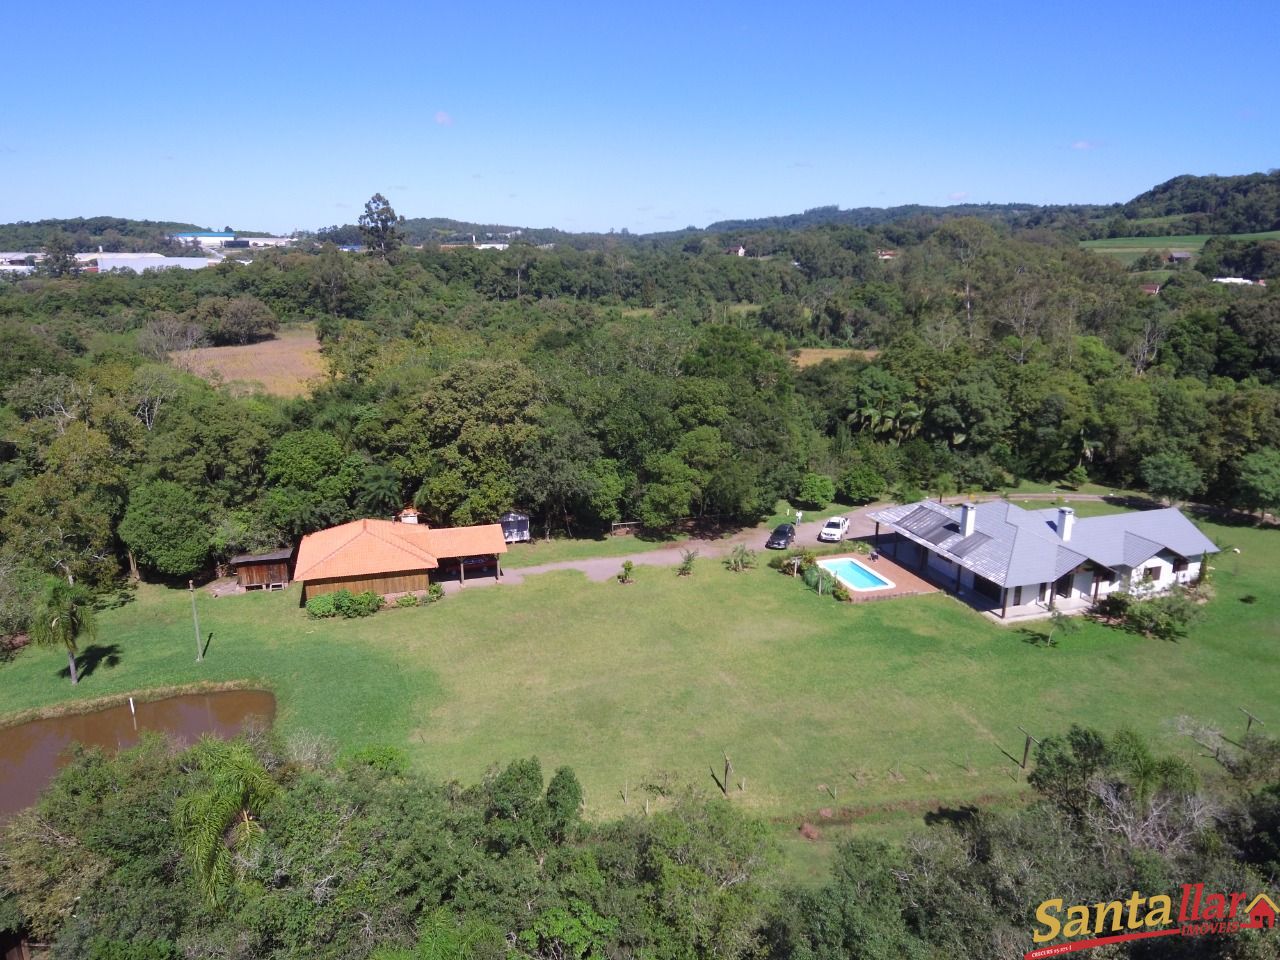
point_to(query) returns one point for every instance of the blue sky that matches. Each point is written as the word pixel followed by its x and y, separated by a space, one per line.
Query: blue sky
pixel 591 116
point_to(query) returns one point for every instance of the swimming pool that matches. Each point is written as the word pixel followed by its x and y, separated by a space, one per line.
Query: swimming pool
pixel 855 575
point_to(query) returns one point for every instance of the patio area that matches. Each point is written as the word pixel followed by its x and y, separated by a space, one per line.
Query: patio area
pixel 906 582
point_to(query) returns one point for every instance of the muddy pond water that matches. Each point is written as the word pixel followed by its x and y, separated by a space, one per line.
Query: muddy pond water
pixel 32 753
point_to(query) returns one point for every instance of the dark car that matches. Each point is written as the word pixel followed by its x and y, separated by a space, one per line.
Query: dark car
pixel 783 536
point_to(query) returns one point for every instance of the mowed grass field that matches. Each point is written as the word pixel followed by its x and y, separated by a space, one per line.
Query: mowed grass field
pixel 1129 249
pixel 283 366
pixel 875 713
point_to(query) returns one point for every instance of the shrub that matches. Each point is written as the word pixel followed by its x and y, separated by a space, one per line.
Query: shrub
pixel 816 490
pixel 344 603
pixel 740 559
pixel 323 606
pixel 783 561
pixel 840 592
pixel 407 600
pixel 389 760
pixel 686 563
pixel 351 605
pixel 435 593
pixel 624 575
pixel 1077 477
pixel 1166 617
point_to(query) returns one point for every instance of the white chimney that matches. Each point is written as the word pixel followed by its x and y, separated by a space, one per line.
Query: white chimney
pixel 1066 520
pixel 968 519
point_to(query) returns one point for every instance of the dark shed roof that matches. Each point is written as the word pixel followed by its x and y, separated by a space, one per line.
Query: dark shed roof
pixel 283 554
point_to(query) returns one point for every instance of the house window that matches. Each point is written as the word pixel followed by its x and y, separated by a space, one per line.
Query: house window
pixel 1180 566
pixel 1150 573
pixel 1017 596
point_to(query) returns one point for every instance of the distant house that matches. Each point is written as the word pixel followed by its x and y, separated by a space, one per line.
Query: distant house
pixel 1022 562
pixel 738 250
pixel 1240 281
pixel 1151 288
pixel 1179 256
pixel 263 571
pixel 203 238
pixel 886 254
pixel 388 557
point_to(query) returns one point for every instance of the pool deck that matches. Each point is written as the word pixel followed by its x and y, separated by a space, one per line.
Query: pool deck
pixel 905 583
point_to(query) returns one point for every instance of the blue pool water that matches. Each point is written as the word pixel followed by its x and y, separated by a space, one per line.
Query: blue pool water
pixel 855 575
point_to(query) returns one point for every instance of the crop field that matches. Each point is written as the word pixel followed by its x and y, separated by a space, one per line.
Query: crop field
pixel 283 366
pixel 1129 249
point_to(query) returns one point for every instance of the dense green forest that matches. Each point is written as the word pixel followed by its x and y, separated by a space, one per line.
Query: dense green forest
pixel 86 234
pixel 268 849
pixel 620 384
pixel 1243 204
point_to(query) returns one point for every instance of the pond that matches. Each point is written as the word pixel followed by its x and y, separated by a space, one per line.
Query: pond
pixel 32 753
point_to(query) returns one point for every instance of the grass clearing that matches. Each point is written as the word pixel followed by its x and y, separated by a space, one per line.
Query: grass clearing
pixel 284 366
pixel 876 712
pixel 1129 249
pixel 812 356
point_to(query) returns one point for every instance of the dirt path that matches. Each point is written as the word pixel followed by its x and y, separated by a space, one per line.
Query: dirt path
pixel 599 569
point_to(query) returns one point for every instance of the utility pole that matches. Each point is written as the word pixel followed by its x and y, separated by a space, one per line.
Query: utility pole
pixel 195 619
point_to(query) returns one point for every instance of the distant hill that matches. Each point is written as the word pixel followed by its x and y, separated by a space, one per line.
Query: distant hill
pixel 1249 203
pixel 1014 214
pixel 113 234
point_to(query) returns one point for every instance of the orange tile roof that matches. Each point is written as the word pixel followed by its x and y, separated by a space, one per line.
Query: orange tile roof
pixel 368 547
pixel 364 547
pixel 467 541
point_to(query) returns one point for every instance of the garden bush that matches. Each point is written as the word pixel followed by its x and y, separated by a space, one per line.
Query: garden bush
pixel 407 600
pixel 344 603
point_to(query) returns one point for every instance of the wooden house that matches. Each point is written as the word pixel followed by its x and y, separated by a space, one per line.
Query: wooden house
pixel 389 557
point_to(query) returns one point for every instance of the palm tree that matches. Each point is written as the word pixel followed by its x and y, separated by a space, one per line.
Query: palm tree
pixel 379 490
pixel 63 614
pixel 219 826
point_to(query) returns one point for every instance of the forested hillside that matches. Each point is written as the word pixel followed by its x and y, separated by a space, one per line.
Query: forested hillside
pixel 1211 204
pixel 113 234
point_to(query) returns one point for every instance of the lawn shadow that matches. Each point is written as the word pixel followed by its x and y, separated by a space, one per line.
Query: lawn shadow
pixel 1036 638
pixel 204 652
pixel 952 816
pixel 92 657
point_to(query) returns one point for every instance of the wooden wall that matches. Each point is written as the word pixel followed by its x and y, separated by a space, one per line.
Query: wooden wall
pixel 260 574
pixel 406 581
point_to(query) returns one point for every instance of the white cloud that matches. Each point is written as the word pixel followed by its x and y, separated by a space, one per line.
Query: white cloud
pixel 444 118
pixel 1085 145
pixel 958 196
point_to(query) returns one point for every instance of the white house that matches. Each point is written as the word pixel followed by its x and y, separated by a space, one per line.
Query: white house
pixel 1019 562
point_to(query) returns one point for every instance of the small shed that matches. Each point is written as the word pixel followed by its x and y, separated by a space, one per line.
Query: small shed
pixel 263 571
pixel 515 527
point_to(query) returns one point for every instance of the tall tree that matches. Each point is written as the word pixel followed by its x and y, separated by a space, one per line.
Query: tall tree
pixel 380 226
pixel 63 615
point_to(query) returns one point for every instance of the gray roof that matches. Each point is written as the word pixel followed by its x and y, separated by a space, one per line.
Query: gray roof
pixel 1012 546
pixel 283 554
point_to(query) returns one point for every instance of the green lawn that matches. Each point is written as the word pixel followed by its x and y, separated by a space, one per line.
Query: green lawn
pixel 881 710
pixel 538 551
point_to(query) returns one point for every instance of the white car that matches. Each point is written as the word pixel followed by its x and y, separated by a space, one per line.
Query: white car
pixel 834 530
